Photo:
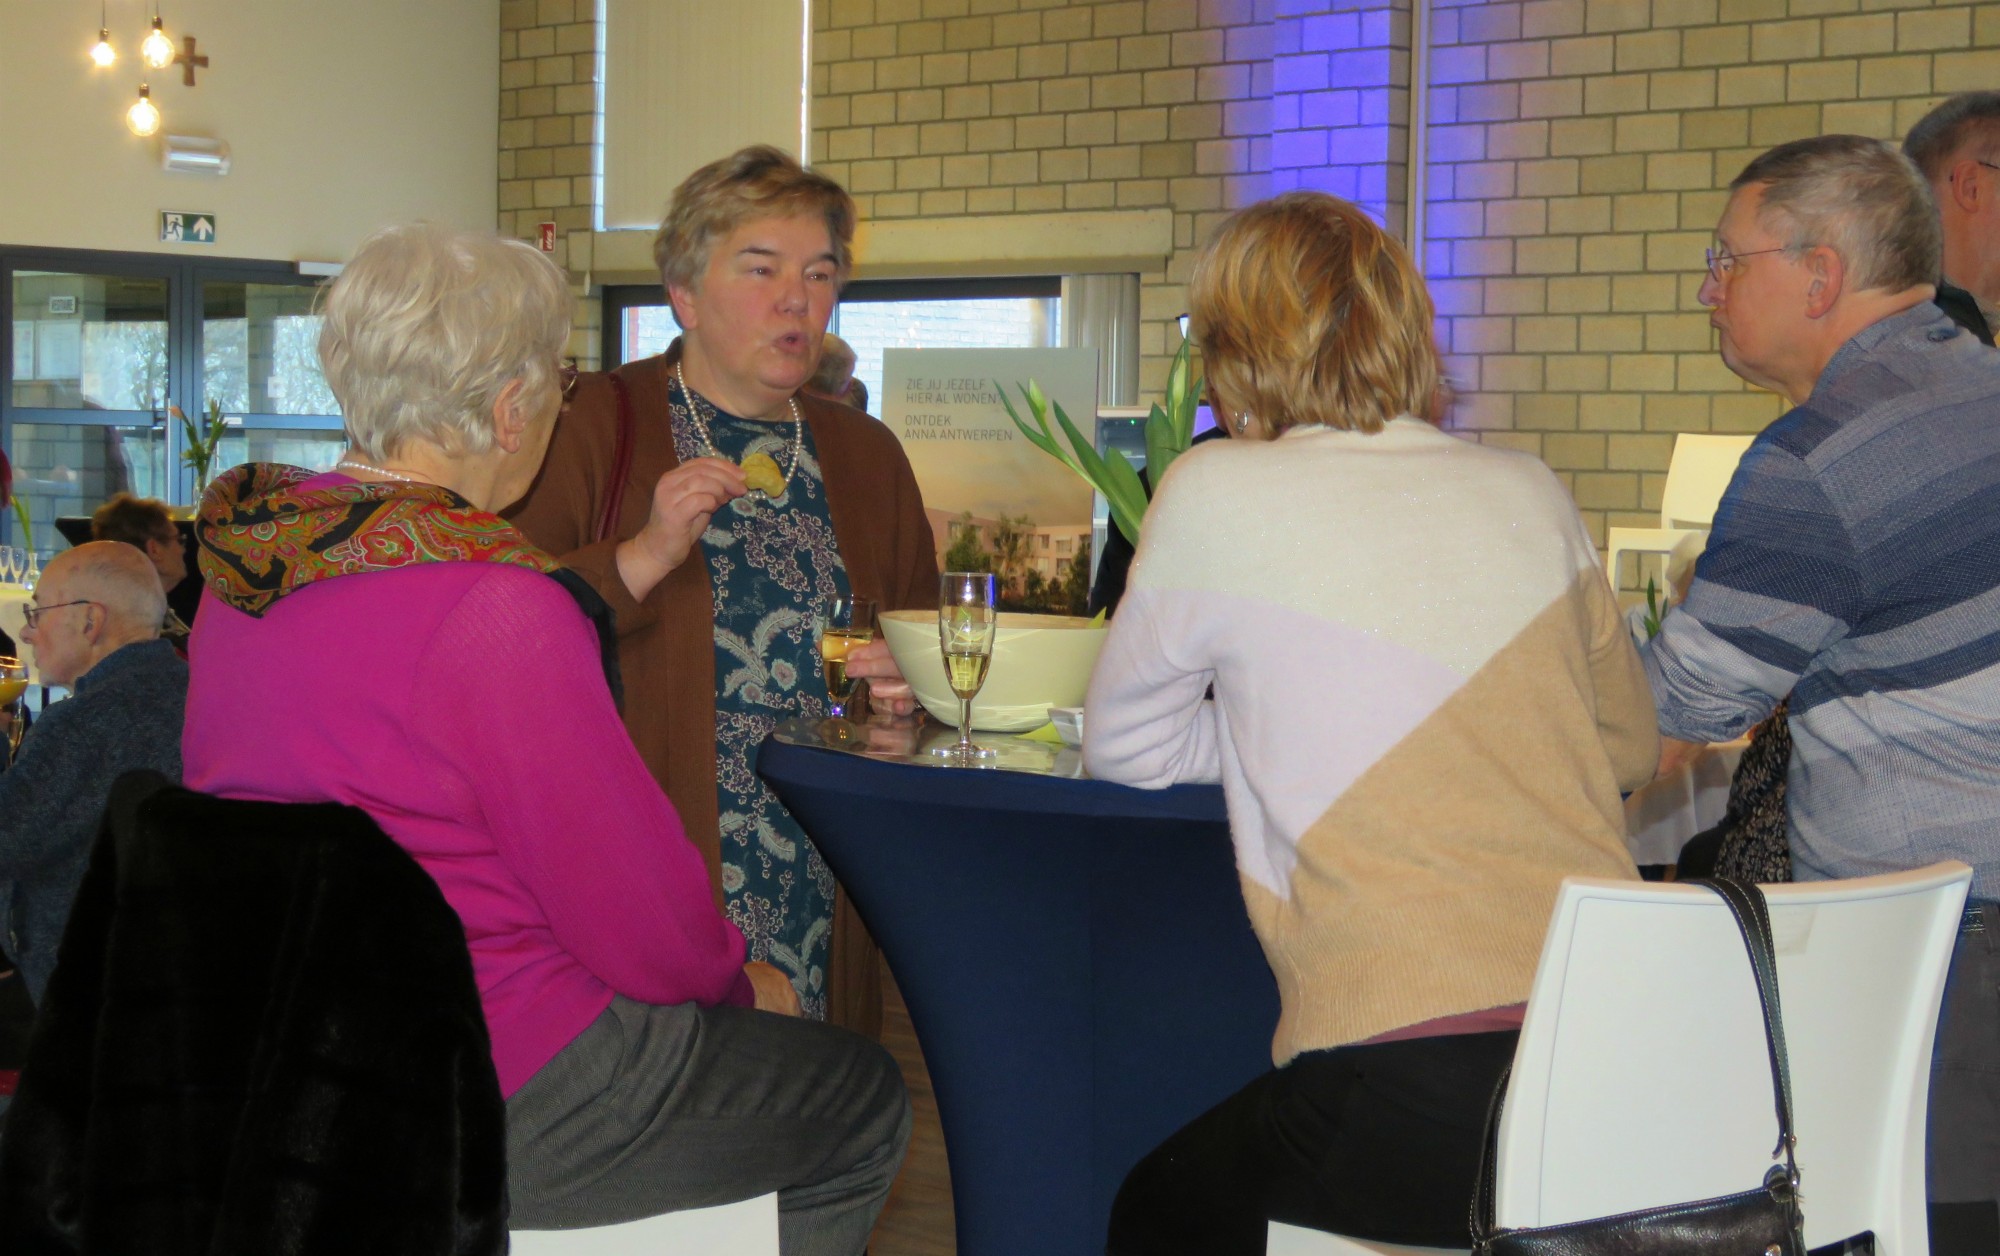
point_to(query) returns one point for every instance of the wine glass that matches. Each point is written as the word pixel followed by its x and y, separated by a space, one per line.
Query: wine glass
pixel 12 564
pixel 967 621
pixel 14 684
pixel 848 622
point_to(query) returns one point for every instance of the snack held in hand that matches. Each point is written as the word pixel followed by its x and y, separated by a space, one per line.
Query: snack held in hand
pixel 760 472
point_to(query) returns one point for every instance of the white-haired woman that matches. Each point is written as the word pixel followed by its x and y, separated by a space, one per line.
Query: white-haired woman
pixel 425 663
pixel 1425 705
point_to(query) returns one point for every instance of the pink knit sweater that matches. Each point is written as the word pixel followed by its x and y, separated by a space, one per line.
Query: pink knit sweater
pixel 463 706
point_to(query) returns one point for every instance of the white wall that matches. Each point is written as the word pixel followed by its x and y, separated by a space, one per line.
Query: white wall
pixel 341 116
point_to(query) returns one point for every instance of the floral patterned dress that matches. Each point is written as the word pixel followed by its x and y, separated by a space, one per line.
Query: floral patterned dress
pixel 773 566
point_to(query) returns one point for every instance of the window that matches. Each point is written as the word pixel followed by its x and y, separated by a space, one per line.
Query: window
pixel 97 346
pixel 874 315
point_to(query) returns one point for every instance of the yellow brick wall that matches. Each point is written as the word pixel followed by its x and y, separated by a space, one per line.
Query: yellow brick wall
pixel 1580 156
pixel 549 143
pixel 928 108
pixel 1578 152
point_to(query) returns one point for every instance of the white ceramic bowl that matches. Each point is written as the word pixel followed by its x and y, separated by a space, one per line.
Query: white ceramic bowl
pixel 1039 661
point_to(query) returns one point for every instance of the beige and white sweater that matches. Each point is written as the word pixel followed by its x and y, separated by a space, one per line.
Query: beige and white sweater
pixel 1426 705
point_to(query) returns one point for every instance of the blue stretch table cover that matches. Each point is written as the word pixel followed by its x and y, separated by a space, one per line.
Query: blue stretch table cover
pixel 1076 958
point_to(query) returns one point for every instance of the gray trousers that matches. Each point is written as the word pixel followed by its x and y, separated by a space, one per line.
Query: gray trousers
pixel 654 1109
pixel 1964 1131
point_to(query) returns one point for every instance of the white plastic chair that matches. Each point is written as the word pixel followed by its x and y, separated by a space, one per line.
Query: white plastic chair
pixel 749 1228
pixel 1696 477
pixel 1641 1078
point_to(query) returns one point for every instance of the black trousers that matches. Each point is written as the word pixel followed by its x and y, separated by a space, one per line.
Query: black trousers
pixel 1380 1142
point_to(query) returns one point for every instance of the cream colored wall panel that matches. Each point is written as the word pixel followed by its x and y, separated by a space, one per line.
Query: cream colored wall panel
pixel 340 118
pixel 688 81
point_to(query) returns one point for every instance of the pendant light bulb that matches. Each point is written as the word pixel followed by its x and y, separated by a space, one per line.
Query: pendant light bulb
pixel 144 116
pixel 102 52
pixel 158 50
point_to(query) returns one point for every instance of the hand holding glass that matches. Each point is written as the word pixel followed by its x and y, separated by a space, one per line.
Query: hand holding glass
pixel 14 683
pixel 849 622
pixel 967 621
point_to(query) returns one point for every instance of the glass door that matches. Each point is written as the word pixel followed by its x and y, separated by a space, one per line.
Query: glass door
pixel 91 374
pixel 99 348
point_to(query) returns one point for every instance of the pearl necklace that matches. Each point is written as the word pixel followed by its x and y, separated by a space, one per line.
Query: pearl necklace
pixel 695 402
pixel 350 465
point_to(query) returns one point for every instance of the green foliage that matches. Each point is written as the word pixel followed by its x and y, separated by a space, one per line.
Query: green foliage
pixel 1656 610
pixel 1169 431
pixel 1011 540
pixel 27 526
pixel 965 552
pixel 203 440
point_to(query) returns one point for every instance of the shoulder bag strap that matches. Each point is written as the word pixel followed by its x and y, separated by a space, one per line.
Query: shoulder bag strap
pixel 1753 921
pixel 621 461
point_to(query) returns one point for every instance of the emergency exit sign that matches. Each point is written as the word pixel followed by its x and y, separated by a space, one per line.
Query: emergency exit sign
pixel 183 226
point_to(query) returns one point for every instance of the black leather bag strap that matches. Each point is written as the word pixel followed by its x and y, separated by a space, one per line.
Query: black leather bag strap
pixel 1753 918
pixel 1753 921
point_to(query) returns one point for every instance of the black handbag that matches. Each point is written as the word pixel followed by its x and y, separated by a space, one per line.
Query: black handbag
pixel 1765 1221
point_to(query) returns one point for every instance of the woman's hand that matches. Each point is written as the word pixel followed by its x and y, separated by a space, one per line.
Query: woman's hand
pixel 683 500
pixel 772 988
pixel 888 692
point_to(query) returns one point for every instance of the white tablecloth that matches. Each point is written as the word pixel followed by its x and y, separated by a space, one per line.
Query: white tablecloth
pixel 13 618
pixel 1660 818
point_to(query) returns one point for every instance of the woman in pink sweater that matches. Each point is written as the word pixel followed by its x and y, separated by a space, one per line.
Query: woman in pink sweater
pixel 432 668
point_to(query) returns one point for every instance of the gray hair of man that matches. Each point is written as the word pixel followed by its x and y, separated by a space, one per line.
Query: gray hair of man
pixel 1967 121
pixel 1859 197
pixel 427 325
pixel 836 367
pixel 120 578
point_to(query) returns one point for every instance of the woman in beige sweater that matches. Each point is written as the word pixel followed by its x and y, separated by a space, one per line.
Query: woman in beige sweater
pixel 1425 707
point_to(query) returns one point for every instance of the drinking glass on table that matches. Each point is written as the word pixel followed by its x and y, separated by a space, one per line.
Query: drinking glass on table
pixel 849 622
pixel 967 621
pixel 13 564
pixel 13 687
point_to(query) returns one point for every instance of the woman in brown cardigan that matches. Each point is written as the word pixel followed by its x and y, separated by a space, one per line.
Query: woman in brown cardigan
pixel 716 586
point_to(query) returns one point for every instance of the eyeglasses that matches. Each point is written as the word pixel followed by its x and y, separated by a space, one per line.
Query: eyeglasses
pixel 1721 262
pixel 33 614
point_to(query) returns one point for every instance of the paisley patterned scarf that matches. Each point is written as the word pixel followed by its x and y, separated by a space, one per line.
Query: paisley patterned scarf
pixel 262 536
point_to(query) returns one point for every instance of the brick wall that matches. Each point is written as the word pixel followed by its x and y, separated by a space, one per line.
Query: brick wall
pixel 550 147
pixel 1577 154
pixel 927 108
pixel 1581 151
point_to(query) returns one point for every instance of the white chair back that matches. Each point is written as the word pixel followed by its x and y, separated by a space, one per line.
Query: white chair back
pixel 1642 1078
pixel 1696 477
pixel 748 1228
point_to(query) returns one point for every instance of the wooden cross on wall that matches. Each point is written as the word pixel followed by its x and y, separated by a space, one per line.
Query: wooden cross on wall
pixel 187 60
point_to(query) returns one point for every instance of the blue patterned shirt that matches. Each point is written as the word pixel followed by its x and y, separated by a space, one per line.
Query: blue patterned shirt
pixel 1855 564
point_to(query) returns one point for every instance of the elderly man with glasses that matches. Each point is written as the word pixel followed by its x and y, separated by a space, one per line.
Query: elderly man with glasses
pixel 95 628
pixel 1957 146
pixel 1855 566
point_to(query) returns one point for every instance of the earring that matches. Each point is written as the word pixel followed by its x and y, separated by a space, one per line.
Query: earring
pixel 1242 422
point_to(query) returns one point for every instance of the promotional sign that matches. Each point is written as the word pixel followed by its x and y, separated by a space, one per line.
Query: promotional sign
pixel 944 405
pixel 545 235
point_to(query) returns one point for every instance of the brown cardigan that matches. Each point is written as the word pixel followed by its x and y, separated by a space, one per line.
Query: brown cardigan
pixel 667 643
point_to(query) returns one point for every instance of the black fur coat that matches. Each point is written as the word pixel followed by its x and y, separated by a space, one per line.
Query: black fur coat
pixel 262 1036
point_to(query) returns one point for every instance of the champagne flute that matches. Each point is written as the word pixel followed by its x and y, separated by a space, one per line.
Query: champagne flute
pixel 849 622
pixel 13 687
pixel 967 621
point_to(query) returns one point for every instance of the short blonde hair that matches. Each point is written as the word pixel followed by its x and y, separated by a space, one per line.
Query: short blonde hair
pixel 1306 311
pixel 427 325
pixel 750 184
